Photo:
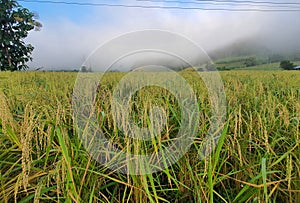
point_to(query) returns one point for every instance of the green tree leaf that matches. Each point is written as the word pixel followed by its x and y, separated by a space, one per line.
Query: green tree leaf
pixel 15 23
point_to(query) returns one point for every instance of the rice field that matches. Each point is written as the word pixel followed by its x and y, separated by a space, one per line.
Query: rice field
pixel 257 158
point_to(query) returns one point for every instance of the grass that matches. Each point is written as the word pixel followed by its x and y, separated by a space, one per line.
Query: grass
pixel 235 63
pixel 257 159
pixel 265 67
pixel 239 63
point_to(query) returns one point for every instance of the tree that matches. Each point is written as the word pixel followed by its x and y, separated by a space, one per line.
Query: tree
pixel 286 65
pixel 251 61
pixel 15 22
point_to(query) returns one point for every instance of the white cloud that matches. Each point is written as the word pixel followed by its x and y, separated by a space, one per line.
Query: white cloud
pixel 67 44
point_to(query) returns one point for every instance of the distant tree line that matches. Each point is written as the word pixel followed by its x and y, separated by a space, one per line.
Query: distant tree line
pixel 86 69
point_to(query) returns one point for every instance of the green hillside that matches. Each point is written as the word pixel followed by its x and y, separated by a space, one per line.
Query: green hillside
pixel 248 63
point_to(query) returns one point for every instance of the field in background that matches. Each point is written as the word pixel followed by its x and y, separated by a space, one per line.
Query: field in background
pixel 256 160
pixel 250 63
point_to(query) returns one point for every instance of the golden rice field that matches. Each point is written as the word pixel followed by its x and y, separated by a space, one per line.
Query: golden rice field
pixel 257 158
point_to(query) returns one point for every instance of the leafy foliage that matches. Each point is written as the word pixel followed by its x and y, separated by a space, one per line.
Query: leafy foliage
pixel 286 65
pixel 15 22
pixel 251 61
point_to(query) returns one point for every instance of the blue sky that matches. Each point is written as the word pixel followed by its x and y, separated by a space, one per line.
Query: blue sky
pixel 50 12
pixel 70 33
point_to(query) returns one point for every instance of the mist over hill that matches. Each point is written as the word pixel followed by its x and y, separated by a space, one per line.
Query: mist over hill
pixel 257 47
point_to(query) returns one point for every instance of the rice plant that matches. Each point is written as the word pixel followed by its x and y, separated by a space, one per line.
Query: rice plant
pixel 43 159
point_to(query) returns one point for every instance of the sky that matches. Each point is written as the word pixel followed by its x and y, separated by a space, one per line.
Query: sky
pixel 70 33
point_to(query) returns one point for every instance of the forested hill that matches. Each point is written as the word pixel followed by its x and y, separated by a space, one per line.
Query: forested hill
pixel 252 47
